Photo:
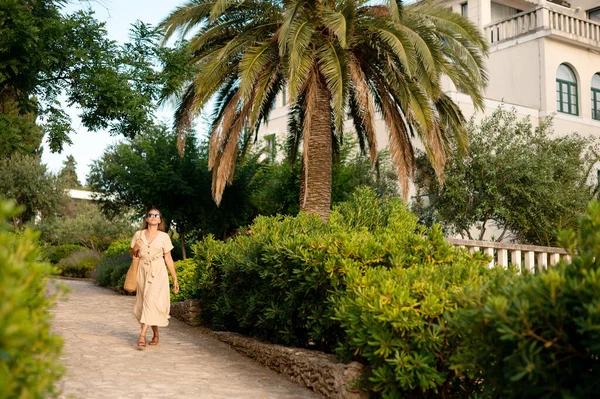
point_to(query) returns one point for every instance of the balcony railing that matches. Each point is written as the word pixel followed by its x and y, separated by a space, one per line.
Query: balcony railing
pixel 530 257
pixel 544 18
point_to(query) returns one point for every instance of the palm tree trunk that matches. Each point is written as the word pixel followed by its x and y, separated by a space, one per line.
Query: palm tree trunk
pixel 315 196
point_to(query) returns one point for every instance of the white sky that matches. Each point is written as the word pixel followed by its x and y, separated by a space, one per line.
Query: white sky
pixel 118 15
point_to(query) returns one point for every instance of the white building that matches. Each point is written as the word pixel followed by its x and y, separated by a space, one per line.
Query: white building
pixel 544 58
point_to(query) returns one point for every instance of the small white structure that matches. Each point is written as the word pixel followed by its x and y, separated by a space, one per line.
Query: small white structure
pixel 81 194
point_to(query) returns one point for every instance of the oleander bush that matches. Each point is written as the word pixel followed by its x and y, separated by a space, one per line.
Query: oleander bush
pixel 368 284
pixel 29 350
pixel 539 335
pixel 55 253
pixel 393 317
pixel 79 264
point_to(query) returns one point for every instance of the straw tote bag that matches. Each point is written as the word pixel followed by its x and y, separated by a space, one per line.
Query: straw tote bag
pixel 131 277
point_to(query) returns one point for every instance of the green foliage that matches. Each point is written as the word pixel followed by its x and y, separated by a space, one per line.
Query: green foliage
pixel 26 180
pixel 148 171
pixel 79 264
pixel 186 277
pixel 118 247
pixel 55 254
pixel 48 53
pixel 538 335
pixel 89 228
pixel 111 270
pixel 365 283
pixel 393 317
pixel 29 350
pixel 526 181
pixel 20 134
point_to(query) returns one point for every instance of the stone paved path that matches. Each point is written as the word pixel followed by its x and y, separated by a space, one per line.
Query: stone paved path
pixel 102 361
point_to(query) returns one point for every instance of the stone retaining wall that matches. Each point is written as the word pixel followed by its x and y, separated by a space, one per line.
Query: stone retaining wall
pixel 187 311
pixel 315 370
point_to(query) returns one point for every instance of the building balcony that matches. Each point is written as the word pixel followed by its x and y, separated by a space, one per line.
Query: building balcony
pixel 546 20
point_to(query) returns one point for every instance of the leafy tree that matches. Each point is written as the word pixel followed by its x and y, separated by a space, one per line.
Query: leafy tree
pixel 148 172
pixel 20 133
pixel 26 180
pixel 333 56
pixel 525 180
pixel 46 54
pixel 68 173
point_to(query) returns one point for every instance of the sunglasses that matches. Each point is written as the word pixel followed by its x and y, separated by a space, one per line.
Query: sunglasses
pixel 153 215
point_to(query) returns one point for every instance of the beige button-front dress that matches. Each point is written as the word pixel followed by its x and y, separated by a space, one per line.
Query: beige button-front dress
pixel 152 298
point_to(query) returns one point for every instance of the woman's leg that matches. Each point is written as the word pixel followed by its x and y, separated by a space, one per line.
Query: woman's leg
pixel 142 339
pixel 155 337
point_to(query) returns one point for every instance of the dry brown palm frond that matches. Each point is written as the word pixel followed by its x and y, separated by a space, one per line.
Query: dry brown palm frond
pixel 225 169
pixel 365 104
pixel 400 146
pixel 183 117
pixel 218 136
pixel 436 150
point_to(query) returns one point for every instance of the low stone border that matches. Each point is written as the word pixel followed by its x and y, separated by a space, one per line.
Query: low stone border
pixel 314 370
pixel 187 311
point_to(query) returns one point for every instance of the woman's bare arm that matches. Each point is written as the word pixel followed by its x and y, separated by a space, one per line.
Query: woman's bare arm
pixel 171 267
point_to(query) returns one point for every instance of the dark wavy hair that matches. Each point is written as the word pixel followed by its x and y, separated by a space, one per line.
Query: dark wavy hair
pixel 161 225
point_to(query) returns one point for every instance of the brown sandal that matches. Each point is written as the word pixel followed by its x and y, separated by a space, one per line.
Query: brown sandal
pixel 154 340
pixel 141 342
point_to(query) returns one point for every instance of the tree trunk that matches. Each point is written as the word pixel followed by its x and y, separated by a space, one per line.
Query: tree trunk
pixel 315 196
pixel 183 254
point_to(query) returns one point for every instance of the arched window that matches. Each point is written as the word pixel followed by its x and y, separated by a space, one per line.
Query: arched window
pixel 566 90
pixel 596 96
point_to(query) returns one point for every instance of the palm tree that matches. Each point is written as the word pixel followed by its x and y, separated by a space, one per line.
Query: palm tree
pixel 335 57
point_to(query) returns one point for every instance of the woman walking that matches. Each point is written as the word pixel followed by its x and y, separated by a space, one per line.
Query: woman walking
pixel 153 302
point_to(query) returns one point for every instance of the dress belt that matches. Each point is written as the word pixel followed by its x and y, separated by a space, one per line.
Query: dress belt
pixel 150 270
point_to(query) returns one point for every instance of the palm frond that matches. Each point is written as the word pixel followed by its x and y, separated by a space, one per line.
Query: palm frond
pixel 332 65
pixel 253 62
pixel 290 16
pixel 294 130
pixel 336 23
pixel 401 149
pixel 300 56
pixel 185 18
pixel 364 105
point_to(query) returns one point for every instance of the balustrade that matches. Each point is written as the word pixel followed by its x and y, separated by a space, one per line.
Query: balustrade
pixel 542 18
pixel 530 257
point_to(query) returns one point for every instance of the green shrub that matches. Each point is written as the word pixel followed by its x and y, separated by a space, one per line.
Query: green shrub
pixel 29 350
pixel 118 247
pixel 273 283
pixel 56 253
pixel 539 336
pixel 110 269
pixel 186 277
pixel 369 283
pixel 79 264
pixel 393 317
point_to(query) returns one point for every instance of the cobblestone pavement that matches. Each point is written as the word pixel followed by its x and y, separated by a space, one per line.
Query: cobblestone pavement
pixel 102 360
